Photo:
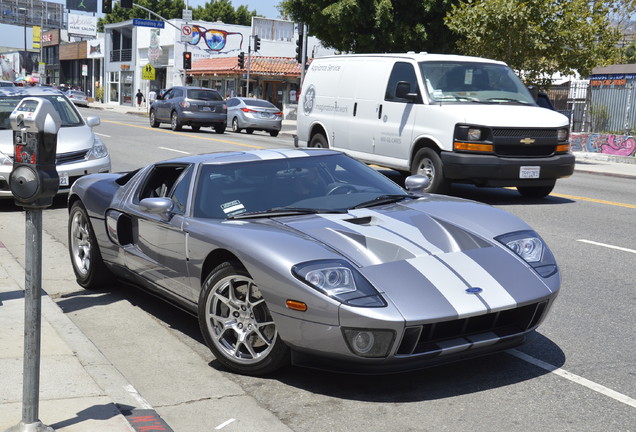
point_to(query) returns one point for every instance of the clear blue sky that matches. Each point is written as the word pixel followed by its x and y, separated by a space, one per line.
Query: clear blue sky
pixel 13 36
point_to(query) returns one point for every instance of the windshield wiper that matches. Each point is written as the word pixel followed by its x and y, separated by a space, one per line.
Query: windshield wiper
pixel 383 199
pixel 282 211
pixel 500 99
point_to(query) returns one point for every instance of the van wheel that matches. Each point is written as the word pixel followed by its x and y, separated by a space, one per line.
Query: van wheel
pixel 428 163
pixel 535 191
pixel 318 141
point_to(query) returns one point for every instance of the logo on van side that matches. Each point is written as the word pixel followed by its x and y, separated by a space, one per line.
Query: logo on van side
pixel 309 100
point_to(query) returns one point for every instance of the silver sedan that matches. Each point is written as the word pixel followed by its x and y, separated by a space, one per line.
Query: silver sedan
pixel 253 114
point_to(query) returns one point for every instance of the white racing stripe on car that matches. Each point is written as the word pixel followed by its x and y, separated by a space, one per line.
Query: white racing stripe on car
pixel 494 294
pixel 380 233
pixel 449 285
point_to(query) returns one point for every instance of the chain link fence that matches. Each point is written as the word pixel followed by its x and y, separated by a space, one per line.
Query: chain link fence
pixel 597 106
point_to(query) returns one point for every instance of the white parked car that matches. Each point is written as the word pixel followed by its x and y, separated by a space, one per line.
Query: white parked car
pixel 79 150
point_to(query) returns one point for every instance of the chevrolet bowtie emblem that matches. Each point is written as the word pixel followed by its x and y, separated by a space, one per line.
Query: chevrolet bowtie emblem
pixel 526 141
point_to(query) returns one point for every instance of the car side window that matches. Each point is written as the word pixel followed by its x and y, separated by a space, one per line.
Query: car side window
pixel 232 102
pixel 402 72
pixel 168 95
pixel 181 191
pixel 161 180
pixel 177 93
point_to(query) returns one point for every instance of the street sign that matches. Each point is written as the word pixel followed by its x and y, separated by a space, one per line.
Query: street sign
pixel 148 23
pixel 187 14
pixel 148 72
pixel 186 33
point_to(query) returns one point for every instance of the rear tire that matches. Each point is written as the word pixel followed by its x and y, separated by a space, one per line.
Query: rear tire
pixel 175 124
pixel 273 133
pixel 428 163
pixel 237 325
pixel 219 129
pixel 90 270
pixel 318 141
pixel 535 191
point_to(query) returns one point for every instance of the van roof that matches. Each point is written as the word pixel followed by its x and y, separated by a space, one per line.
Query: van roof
pixel 419 57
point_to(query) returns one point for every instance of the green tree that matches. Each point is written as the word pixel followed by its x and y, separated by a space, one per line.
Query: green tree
pixel 222 10
pixel 375 25
pixel 538 38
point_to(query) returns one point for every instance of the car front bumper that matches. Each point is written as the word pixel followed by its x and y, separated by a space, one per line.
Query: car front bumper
pixel 72 171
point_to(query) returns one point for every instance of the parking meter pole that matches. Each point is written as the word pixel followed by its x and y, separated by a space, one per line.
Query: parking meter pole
pixel 32 326
pixel 33 182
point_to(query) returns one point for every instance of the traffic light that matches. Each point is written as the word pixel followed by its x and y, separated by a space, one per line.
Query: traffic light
pixel 107 6
pixel 187 60
pixel 241 60
pixel 299 49
pixel 126 4
pixel 257 43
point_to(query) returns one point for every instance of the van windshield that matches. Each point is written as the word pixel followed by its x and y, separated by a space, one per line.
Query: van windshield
pixel 448 81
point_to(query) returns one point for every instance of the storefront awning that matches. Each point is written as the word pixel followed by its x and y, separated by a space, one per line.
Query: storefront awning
pixel 270 66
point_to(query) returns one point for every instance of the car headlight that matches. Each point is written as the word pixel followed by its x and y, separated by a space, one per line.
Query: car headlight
pixel 98 150
pixel 531 247
pixel 339 280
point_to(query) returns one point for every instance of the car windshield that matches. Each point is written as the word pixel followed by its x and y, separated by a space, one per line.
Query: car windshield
pixel 67 111
pixel 204 95
pixel 448 81
pixel 279 187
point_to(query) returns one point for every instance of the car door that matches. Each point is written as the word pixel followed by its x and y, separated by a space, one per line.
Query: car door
pixel 162 107
pixel 157 251
pixel 395 123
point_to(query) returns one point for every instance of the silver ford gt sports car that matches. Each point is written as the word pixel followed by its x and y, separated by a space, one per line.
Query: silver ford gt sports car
pixel 309 256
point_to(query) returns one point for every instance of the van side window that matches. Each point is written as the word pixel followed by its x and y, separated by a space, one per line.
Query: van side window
pixel 402 72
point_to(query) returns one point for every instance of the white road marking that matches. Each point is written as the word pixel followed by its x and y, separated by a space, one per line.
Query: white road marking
pixel 174 150
pixel 607 246
pixel 575 378
pixel 143 403
pixel 222 425
pixel 107 136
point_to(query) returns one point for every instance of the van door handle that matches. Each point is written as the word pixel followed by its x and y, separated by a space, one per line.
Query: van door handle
pixel 380 112
pixel 355 108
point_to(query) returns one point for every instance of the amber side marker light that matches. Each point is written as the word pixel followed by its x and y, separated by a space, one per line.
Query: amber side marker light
pixel 296 305
pixel 563 148
pixel 472 147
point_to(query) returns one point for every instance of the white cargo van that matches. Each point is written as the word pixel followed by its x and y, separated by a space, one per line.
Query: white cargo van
pixel 452 118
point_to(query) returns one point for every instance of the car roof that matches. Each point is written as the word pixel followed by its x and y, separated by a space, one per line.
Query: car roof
pixel 419 57
pixel 228 157
pixel 28 91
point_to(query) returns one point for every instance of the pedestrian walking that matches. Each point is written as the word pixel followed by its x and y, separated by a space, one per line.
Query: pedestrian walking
pixel 140 97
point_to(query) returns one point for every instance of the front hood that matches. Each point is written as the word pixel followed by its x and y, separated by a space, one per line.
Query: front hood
pixel 424 261
pixel 69 139
pixel 505 115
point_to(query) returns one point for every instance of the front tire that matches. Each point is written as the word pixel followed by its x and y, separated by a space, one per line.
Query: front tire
pixel 195 128
pixel 153 119
pixel 428 163
pixel 273 133
pixel 235 125
pixel 175 124
pixel 90 270
pixel 535 191
pixel 237 325
pixel 219 129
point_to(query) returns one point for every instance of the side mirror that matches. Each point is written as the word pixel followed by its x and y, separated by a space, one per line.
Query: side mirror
pixel 417 183
pixel 158 206
pixel 93 121
pixel 403 91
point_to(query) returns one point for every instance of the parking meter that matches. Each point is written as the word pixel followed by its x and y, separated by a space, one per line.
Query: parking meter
pixel 34 180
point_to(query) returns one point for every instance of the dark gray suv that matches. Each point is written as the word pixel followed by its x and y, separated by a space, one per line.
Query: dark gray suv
pixel 193 106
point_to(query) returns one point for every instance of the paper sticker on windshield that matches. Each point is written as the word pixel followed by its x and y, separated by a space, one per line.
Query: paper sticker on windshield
pixel 233 208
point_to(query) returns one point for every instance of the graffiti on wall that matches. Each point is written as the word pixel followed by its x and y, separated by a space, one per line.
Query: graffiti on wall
pixel 618 145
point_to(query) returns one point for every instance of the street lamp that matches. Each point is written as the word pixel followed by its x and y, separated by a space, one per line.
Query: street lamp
pixel 24 11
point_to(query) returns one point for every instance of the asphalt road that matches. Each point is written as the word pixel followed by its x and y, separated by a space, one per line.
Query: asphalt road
pixel 577 374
